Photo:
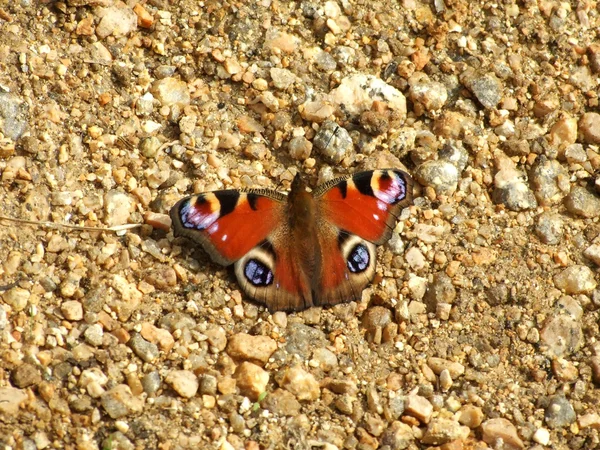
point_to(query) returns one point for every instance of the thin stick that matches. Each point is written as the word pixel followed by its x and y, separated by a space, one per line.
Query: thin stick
pixel 116 228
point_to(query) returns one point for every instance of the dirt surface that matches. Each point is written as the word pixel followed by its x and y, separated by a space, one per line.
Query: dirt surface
pixel 480 330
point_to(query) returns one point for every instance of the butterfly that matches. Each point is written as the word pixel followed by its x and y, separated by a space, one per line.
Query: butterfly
pixel 292 252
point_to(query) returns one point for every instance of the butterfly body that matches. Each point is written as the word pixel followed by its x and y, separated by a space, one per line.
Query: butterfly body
pixel 304 249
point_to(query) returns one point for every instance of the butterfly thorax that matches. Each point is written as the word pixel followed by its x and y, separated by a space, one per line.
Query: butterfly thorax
pixel 303 228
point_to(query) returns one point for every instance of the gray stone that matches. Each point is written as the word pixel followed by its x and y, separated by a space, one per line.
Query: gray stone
pixel 559 413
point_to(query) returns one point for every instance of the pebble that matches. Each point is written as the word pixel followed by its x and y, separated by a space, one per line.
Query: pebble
pixel 494 430
pixel 10 400
pixel 356 94
pixel 582 202
pixel 171 91
pixel 441 431
pixel 17 298
pixel 300 148
pixel 456 154
pixel 418 407
pixel 440 290
pixel 282 78
pixel 324 359
pixel 398 436
pixel 25 375
pixel 563 133
pixel 333 142
pixel 282 403
pixel 561 335
pixel 146 351
pixel 256 349
pixel 300 383
pixel 278 41
pixel 415 259
pixel 251 380
pixel 228 141
pixel 510 189
pixel 93 335
pixel 549 227
pixel 559 413
pixel 576 279
pixel 72 310
pixel 589 128
pixel 549 181
pixel 438 365
pixel 158 336
pixel 593 253
pixel 374 320
pixel 440 175
pixel 484 86
pixel 14 116
pixel 217 338
pixel 316 111
pixel 425 94
pixel 564 371
pixel 184 382
pixel 470 416
pixel 151 382
pixel 117 20
pixel 256 151
pixel 118 207
pixel 119 402
pixel 590 420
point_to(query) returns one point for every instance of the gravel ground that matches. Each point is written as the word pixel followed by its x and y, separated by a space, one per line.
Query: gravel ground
pixel 481 328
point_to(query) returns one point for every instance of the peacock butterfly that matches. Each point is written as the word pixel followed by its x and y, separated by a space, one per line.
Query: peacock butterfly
pixel 304 249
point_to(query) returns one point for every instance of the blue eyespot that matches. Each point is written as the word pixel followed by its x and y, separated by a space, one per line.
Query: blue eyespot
pixel 359 258
pixel 257 273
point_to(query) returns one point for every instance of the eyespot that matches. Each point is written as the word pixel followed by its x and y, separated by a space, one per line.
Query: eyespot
pixel 358 259
pixel 257 273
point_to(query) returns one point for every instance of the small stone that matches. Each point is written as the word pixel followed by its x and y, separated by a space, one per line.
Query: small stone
pixel 564 371
pixel 229 141
pixel 590 420
pixel 120 402
pixel 415 258
pixel 171 91
pixel 356 94
pixel 501 430
pixel 333 142
pixel 256 349
pixel 158 336
pixel 282 403
pixel 582 202
pixel 145 350
pixel 485 86
pixel 549 228
pixel 256 151
pixel 576 279
pixel 441 175
pixel 277 41
pixel 217 338
pixel 145 19
pixel 593 253
pixel 561 335
pixel 440 290
pixel 398 436
pixel 184 382
pixel 151 382
pixel 549 181
pixel 510 188
pixel 418 407
pixel 72 310
pixel 282 78
pixel 559 413
pixel 441 431
pixel 93 335
pixel 438 365
pixel 117 20
pixel 563 133
pixel 10 400
pixel 118 206
pixel 324 359
pixel 302 339
pixel 470 416
pixel 251 380
pixel 541 436
pixel 17 298
pixel 425 94
pixel 316 111
pixel 300 148
pixel 589 128
pixel 25 375
pixel 300 383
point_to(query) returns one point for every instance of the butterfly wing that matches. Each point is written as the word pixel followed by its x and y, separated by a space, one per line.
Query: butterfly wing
pixel 229 223
pixel 356 213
